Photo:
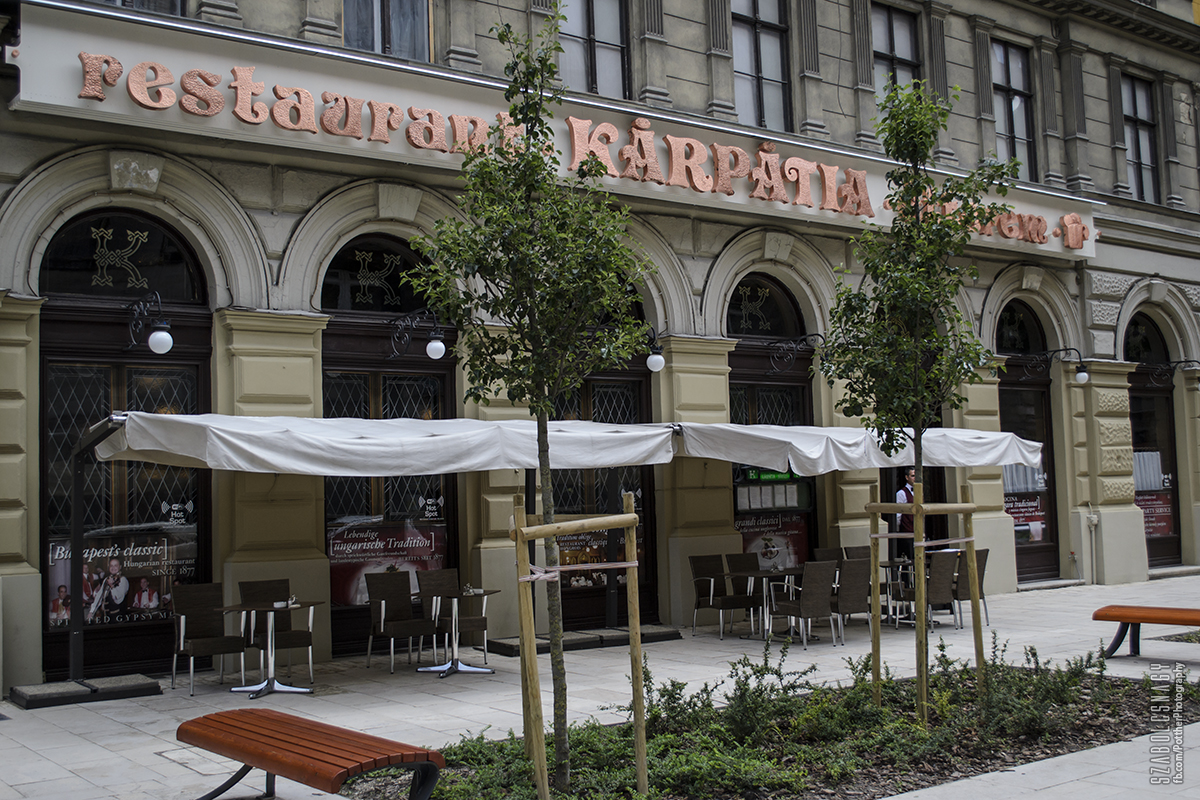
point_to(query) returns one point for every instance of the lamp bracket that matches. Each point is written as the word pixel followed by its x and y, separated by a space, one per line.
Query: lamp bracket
pixel 785 352
pixel 405 325
pixel 1039 364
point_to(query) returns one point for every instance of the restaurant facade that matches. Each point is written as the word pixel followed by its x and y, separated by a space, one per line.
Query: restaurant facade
pixel 252 175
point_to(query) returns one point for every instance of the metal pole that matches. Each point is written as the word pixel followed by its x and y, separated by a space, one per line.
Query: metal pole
pixel 85 446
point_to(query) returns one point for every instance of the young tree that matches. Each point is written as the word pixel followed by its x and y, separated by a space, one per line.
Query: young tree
pixel 539 281
pixel 898 340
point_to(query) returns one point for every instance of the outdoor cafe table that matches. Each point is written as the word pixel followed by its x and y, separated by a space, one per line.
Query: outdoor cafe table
pixel 269 684
pixel 454 664
pixel 766 575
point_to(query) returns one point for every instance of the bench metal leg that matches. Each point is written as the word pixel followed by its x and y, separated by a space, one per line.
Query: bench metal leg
pixel 1134 629
pixel 425 777
pixel 227 785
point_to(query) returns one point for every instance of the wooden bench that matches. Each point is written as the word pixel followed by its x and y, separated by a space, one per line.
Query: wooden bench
pixel 313 753
pixel 1132 617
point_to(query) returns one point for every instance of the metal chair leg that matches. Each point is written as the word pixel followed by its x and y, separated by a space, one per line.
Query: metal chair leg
pixel 174 661
pixel 370 641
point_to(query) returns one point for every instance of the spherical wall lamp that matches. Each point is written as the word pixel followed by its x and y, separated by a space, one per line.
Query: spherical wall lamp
pixel 160 339
pixel 436 347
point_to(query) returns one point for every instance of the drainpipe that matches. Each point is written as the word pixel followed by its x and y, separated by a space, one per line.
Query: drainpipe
pixel 1093 520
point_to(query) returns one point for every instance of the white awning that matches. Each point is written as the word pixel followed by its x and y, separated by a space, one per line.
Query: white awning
pixel 366 448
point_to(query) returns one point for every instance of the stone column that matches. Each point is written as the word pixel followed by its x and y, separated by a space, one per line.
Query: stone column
pixel 695 495
pixel 1116 111
pixel 993 527
pixel 650 55
pixel 981 29
pixel 1075 138
pixel 267 525
pixel 1050 146
pixel 864 74
pixel 721 103
pixel 21 598
pixel 1114 548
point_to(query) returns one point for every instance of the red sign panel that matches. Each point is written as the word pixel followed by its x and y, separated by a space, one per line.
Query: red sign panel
pixel 359 548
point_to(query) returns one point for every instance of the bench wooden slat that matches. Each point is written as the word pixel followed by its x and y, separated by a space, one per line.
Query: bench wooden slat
pixel 314 753
pixel 318 774
pixel 396 752
pixel 1161 615
pixel 356 756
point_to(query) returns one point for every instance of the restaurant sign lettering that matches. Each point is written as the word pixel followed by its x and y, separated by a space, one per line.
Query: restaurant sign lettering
pixel 174 79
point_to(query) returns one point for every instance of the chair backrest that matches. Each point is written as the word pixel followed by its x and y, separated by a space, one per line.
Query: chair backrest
pixel 816 588
pixel 744 562
pixel 827 554
pixel 709 567
pixel 858 551
pixel 942 566
pixel 854 586
pixel 199 603
pixel 267 593
pixel 432 583
pixel 395 590
pixel 962 586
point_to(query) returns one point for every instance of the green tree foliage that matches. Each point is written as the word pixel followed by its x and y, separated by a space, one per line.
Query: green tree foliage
pixel 538 279
pixel 898 339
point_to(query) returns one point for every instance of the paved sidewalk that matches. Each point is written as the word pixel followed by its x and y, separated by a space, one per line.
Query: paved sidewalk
pixel 126 749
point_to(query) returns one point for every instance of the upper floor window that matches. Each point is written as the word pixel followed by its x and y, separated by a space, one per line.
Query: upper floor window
pixel 894 37
pixel 595 51
pixel 760 64
pixel 173 7
pixel 1012 93
pixel 393 27
pixel 762 308
pixel 1141 155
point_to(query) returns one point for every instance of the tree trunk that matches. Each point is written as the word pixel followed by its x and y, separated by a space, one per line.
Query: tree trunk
pixel 558 667
pixel 921 593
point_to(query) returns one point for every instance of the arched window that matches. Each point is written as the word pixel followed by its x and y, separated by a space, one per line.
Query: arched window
pixel 770 384
pixel 148 525
pixel 410 520
pixel 1019 332
pixel 120 253
pixel 1024 393
pixel 1144 342
pixel 761 308
pixel 1152 423
pixel 367 275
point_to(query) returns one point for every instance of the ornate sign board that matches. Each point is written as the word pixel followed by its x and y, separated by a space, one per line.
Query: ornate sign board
pixel 189 78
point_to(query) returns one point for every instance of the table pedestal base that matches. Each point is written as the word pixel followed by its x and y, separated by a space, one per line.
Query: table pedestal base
pixel 269 686
pixel 453 666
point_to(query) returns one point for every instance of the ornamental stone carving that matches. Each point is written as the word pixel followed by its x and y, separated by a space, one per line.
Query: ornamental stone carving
pixel 1114 432
pixel 1103 313
pixel 1113 402
pixel 1111 286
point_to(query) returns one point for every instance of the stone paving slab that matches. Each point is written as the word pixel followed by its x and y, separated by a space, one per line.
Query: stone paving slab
pixel 126 749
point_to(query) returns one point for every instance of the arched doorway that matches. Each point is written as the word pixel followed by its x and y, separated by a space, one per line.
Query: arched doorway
pixel 375 366
pixel 1152 419
pixel 1024 393
pixel 770 384
pixel 146 526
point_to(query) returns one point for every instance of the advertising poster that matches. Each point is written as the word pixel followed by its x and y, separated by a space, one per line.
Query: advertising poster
pixel 356 548
pixel 591 548
pixel 780 538
pixel 1028 510
pixel 1157 510
pixel 128 573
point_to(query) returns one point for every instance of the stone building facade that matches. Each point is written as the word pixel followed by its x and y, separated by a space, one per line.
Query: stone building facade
pixel 263 165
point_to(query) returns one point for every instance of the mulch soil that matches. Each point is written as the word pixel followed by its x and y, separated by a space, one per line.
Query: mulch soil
pixel 1125 717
